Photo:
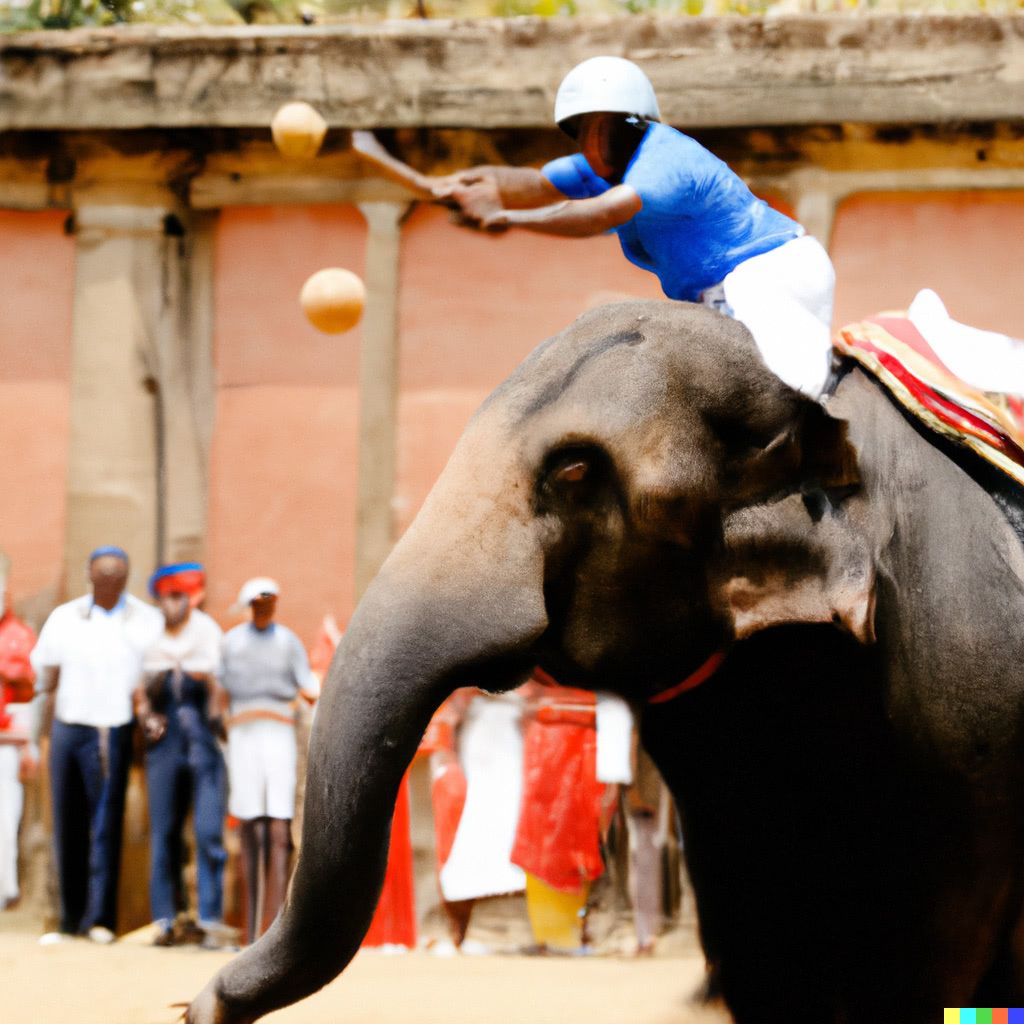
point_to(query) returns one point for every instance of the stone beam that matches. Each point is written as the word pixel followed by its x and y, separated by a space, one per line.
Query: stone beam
pixel 492 73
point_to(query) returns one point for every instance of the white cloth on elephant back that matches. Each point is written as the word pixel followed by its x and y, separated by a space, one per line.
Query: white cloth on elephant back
pixel 490 750
pixel 784 298
pixel 987 360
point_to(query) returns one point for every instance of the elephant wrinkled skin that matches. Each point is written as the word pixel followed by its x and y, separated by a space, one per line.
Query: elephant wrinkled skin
pixel 640 494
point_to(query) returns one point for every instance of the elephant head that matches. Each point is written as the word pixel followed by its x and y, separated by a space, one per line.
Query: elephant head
pixel 639 494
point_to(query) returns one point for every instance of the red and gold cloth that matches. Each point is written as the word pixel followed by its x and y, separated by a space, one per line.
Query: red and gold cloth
pixel 892 349
pixel 558 838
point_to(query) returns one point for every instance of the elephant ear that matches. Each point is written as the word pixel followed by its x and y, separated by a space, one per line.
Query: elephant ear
pixel 792 551
pixel 808 452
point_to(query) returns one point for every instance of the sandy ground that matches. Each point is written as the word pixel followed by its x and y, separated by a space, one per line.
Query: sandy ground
pixel 132 982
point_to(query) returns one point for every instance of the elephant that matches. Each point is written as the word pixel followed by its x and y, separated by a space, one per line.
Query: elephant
pixel 643 506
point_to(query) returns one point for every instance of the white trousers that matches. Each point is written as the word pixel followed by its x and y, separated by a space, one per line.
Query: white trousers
pixel 262 767
pixel 784 298
pixel 11 801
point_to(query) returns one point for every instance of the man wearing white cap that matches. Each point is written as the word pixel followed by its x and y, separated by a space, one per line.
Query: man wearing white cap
pixel 678 210
pixel 264 671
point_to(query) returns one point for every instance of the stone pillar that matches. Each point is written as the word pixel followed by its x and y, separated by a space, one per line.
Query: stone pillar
pixel 378 390
pixel 141 388
pixel 187 388
pixel 815 206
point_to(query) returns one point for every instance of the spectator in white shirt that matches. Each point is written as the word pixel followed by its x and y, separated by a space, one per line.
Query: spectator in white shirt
pixel 88 661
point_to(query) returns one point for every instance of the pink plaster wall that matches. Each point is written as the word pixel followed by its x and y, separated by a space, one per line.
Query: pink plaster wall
pixel 282 501
pixel 36 291
pixel 474 305
pixel 285 450
pixel 968 246
pixel 282 498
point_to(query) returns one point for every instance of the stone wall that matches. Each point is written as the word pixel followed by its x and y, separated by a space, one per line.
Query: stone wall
pixel 492 73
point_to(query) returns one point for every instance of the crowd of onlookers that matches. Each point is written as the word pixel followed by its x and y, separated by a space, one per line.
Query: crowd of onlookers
pixel 526 787
pixel 106 661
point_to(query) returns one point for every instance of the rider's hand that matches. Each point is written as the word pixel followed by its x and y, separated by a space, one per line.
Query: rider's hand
pixel 444 186
pixel 478 201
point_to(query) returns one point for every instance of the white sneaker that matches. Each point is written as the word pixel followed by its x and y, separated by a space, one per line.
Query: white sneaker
pixel 442 947
pixel 55 938
pixel 100 935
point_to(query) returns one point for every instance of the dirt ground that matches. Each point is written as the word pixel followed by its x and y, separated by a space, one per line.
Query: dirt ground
pixel 132 982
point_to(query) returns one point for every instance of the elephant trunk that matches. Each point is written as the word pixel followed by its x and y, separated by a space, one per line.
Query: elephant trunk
pixel 430 622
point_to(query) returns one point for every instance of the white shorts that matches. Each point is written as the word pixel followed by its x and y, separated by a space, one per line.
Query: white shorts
pixel 784 298
pixel 262 757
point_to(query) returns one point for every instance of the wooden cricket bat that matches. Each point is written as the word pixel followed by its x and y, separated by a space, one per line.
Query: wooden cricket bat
pixel 366 145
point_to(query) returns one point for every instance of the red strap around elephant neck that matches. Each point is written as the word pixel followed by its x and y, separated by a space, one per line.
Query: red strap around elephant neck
pixel 692 681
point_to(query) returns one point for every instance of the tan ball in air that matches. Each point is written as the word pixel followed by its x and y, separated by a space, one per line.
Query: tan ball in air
pixel 333 299
pixel 298 131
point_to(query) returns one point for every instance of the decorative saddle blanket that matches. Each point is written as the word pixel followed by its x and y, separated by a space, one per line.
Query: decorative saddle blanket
pixel 892 349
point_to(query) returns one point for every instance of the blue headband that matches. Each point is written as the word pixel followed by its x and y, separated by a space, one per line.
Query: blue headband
pixel 172 570
pixel 109 549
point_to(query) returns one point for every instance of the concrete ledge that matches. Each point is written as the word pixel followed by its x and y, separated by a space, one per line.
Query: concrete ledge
pixel 715 71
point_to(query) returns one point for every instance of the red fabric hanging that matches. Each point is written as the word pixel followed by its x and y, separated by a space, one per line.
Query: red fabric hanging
pixel 448 785
pixel 558 835
pixel 16 672
pixel 394 923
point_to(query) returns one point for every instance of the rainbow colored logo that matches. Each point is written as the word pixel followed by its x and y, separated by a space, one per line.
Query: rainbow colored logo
pixel 983 1015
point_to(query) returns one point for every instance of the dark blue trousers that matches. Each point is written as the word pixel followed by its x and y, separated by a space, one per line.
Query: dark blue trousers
pixel 186 766
pixel 88 779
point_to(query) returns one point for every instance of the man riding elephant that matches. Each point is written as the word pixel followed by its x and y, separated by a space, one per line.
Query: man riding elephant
pixel 678 210
pixel 816 615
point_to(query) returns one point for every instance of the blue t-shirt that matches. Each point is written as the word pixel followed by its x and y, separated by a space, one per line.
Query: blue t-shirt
pixel 699 220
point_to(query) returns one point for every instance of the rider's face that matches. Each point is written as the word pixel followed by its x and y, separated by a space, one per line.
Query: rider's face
pixel 608 142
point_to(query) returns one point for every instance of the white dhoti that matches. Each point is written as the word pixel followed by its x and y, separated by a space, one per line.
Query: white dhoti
pixel 784 298
pixel 11 802
pixel 491 755
pixel 262 765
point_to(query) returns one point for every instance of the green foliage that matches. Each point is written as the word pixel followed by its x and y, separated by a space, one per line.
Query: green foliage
pixel 20 15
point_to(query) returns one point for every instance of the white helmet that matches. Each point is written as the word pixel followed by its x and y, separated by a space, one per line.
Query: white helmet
pixel 606 83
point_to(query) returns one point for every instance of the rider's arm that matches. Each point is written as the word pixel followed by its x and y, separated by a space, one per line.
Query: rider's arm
pixel 515 188
pixel 573 218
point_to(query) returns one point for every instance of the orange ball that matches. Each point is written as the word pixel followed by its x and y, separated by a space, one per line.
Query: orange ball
pixel 333 300
pixel 298 131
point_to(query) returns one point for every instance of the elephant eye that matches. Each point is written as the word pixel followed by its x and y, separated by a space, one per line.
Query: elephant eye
pixel 573 472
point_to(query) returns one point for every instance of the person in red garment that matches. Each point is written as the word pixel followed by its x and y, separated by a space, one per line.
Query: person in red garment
pixel 558 839
pixel 18 759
